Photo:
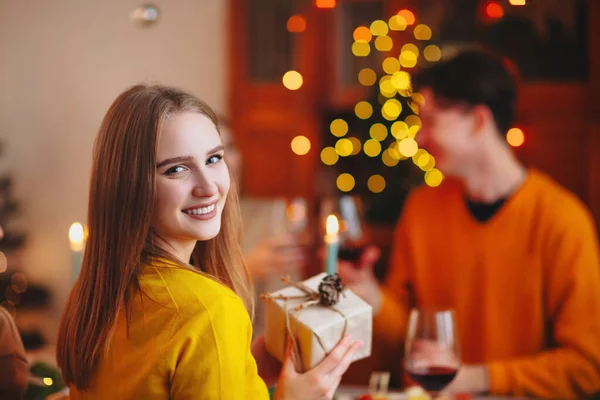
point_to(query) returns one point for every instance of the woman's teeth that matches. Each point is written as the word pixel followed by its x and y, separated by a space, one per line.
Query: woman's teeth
pixel 200 211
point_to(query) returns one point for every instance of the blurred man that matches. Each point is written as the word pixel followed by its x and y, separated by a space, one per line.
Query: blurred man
pixel 511 251
pixel 14 369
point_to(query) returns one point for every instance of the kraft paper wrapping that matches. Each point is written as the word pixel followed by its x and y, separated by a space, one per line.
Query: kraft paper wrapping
pixel 317 328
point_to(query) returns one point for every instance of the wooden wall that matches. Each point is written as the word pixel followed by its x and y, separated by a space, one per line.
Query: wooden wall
pixel 561 121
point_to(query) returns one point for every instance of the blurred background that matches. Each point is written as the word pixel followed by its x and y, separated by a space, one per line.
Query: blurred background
pixel 301 84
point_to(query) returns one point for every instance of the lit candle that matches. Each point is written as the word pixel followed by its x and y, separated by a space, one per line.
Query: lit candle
pixel 76 237
pixel 332 244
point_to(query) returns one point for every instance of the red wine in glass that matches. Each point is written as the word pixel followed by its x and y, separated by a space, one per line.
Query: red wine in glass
pixel 350 252
pixel 432 353
pixel 434 378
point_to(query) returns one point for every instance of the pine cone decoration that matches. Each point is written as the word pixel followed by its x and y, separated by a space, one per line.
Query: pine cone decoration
pixel 330 289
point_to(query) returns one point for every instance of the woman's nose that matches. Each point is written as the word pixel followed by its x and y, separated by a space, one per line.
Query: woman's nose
pixel 204 186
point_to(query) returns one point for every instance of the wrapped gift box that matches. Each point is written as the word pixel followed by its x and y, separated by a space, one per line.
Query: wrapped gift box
pixel 317 328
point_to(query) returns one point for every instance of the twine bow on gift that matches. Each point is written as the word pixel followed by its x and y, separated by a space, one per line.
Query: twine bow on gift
pixel 327 295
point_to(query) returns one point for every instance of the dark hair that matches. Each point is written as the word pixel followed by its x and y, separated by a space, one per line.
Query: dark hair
pixel 474 77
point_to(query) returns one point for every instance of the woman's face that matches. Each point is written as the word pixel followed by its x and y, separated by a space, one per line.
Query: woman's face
pixel 192 182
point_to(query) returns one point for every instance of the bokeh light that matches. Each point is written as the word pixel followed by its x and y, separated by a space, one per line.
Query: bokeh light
pixel 345 182
pixel 367 77
pixel 379 28
pixel 300 145
pixel 356 145
pixel 399 130
pixel 401 80
pixel 376 183
pixel 292 80
pixel 296 24
pixel 378 132
pixel 408 147
pixel 361 49
pixel 430 164
pixel 325 3
pixel 386 86
pixel 329 156
pixel 338 127
pixel 494 10
pixel 372 148
pixel 363 109
pixel 408 55
pixel 391 65
pixel 515 137
pixel 434 177
pixel 408 16
pixel 432 53
pixel 362 34
pixel 397 23
pixel 344 147
pixel 390 157
pixel 517 2
pixel 413 120
pixel 422 32
pixel 47 381
pixel 391 109
pixel 384 43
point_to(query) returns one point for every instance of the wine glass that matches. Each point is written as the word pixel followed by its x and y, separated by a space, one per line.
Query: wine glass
pixel 432 353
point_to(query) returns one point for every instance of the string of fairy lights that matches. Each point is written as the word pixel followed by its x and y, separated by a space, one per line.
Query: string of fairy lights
pixel 395 80
pixel 394 140
pixel 394 143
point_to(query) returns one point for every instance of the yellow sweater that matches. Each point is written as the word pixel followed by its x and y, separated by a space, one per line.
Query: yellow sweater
pixel 189 339
pixel 525 285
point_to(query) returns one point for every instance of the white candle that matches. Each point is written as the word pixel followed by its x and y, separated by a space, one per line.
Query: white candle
pixel 332 244
pixel 76 237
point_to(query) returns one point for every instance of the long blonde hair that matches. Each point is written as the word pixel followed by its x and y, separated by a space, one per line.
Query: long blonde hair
pixel 120 242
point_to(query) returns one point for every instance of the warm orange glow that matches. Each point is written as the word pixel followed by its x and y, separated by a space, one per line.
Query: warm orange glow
pixel 76 236
pixel 325 3
pixel 376 183
pixel 332 226
pixel 345 182
pixel 408 16
pixel 300 145
pixel 292 80
pixel 517 2
pixel 515 137
pixel 362 33
pixel 494 10
pixel 296 23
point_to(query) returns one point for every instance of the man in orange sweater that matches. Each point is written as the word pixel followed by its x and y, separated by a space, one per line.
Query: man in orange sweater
pixel 511 251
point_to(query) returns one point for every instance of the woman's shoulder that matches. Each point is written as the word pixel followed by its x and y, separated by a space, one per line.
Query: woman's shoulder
pixel 181 288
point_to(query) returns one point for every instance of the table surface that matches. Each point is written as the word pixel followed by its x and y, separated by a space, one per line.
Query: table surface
pixel 348 392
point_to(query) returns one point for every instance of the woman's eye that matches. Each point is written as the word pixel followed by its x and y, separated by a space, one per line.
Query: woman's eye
pixel 214 159
pixel 175 169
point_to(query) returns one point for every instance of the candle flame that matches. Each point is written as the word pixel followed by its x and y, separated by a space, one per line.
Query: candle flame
pixel 332 226
pixel 76 235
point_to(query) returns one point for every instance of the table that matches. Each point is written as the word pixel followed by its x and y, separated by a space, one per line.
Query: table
pixel 349 392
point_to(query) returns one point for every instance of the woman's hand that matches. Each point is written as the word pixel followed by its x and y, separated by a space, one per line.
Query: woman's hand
pixel 322 381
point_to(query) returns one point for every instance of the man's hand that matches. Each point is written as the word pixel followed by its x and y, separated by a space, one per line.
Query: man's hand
pixel 470 379
pixel 361 279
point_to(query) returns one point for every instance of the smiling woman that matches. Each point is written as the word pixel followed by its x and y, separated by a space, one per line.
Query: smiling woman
pixel 161 307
